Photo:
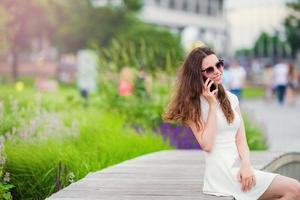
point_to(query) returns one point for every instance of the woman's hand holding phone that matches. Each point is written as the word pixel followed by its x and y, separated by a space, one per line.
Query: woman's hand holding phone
pixel 209 95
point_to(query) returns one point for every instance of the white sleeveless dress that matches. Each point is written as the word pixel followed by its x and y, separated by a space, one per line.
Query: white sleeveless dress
pixel 223 162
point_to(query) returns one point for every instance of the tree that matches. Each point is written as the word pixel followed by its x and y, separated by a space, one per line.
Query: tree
pixel 133 5
pixel 270 46
pixel 261 45
pixel 93 24
pixel 154 44
pixel 117 31
pixel 75 24
pixel 4 18
pixel 27 20
pixel 292 27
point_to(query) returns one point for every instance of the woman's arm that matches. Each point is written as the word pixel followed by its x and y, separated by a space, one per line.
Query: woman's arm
pixel 245 175
pixel 206 136
pixel 241 141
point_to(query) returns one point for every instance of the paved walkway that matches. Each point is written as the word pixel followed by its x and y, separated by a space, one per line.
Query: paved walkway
pixel 281 122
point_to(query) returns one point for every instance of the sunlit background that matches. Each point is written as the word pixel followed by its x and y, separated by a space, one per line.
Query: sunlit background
pixel 84 82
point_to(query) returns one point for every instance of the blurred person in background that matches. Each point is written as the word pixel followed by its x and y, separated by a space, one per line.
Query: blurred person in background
pixel 126 81
pixel 281 79
pixel 292 85
pixel 237 79
pixel 268 76
pixel 256 70
pixel 87 63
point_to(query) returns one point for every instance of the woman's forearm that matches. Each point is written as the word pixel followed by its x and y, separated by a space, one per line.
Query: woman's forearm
pixel 242 145
pixel 244 154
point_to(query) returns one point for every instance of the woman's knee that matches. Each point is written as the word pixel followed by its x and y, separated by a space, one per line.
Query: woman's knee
pixel 294 189
pixel 297 188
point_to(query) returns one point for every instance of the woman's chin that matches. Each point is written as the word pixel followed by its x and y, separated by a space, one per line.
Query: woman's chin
pixel 218 82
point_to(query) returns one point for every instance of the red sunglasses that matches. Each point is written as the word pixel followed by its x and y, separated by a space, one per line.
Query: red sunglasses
pixel 210 70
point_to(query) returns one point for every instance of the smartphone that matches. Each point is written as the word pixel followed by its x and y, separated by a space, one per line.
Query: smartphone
pixel 213 86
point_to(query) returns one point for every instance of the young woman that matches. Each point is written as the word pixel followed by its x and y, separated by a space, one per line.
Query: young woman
pixel 216 121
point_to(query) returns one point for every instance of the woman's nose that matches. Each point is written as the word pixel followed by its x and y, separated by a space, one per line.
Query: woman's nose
pixel 217 72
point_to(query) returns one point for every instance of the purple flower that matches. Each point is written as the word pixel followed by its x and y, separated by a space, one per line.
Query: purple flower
pixel 180 136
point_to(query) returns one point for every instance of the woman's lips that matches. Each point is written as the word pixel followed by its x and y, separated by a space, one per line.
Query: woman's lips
pixel 218 78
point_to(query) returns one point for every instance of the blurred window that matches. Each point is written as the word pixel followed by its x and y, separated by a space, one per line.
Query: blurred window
pixel 185 5
pixel 209 9
pixel 172 4
pixel 197 7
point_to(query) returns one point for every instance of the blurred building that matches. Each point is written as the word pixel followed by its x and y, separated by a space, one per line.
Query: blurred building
pixel 199 20
pixel 248 18
pixel 106 2
pixel 205 18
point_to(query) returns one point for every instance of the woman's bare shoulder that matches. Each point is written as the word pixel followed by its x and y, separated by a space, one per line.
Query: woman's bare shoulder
pixel 232 98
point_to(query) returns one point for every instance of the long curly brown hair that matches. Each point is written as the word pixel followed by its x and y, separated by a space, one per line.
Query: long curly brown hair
pixel 185 103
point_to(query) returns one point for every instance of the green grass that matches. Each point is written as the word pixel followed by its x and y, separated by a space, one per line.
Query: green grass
pixel 251 92
pixel 255 137
pixel 102 141
pixel 81 139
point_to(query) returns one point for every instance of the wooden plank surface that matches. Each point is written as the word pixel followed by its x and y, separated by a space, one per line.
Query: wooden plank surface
pixel 167 174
